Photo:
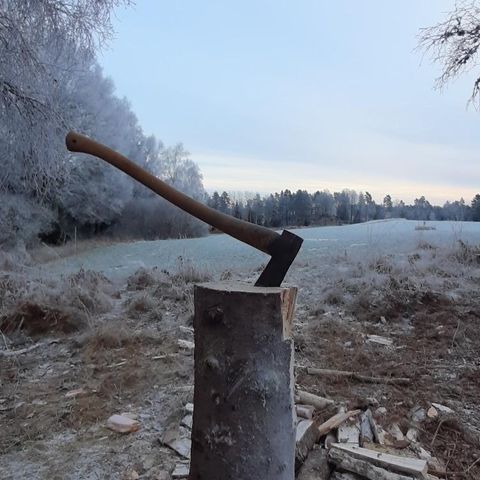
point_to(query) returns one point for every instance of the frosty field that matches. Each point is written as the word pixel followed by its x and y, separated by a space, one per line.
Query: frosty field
pixel 218 253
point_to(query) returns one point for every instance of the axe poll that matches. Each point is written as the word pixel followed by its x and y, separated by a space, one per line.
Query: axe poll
pixel 282 248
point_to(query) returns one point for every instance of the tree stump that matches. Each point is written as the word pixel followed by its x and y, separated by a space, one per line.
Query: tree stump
pixel 243 420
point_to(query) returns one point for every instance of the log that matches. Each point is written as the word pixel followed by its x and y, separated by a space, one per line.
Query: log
pixel 244 418
pixel 314 400
pixel 413 467
pixel 357 376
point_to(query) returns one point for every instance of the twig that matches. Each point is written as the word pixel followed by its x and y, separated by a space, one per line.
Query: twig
pixel 455 334
pixel 436 432
pixel 472 465
pixel 11 353
pixel 4 341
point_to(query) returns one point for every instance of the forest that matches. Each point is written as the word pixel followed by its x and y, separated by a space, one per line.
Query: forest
pixel 324 208
pixel 51 82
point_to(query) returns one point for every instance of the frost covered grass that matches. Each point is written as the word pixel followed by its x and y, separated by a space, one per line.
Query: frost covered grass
pixel 425 302
pixel 391 285
pixel 422 295
pixel 38 307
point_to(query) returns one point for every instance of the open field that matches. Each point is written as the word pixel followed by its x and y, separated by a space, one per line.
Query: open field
pixel 112 330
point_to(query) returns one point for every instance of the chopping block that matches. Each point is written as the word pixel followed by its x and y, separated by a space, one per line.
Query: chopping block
pixel 243 421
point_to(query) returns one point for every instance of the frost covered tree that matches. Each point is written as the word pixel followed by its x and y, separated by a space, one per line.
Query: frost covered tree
pixel 41 42
pixel 476 208
pixel 454 44
pixel 50 82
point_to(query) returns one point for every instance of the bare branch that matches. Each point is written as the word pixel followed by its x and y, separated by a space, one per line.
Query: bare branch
pixel 454 44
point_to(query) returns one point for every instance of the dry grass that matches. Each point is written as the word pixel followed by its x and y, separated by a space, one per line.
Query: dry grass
pixel 52 306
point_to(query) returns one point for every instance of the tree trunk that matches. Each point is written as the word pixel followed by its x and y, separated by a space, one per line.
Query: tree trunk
pixel 243 421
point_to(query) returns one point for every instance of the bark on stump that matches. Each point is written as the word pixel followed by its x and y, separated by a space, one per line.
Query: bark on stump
pixel 243 420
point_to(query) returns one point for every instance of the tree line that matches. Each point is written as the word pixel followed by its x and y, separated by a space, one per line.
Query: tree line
pixel 51 82
pixel 301 208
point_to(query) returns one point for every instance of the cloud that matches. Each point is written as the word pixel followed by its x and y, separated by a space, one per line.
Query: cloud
pixel 377 164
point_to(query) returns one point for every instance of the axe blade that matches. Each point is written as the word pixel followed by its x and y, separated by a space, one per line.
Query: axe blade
pixel 283 251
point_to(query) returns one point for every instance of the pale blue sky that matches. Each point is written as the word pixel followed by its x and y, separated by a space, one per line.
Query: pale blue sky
pixel 314 94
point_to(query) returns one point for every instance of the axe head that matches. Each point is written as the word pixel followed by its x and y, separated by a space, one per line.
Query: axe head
pixel 283 250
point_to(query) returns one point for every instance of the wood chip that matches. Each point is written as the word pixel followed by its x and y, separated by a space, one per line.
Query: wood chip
pixel 122 424
pixel 181 470
pixel 387 342
pixel 432 412
pixel 186 344
pixel 76 393
pixel 177 441
pixel 442 408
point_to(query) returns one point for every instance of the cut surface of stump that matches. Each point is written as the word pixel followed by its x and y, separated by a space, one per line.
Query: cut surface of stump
pixel 243 421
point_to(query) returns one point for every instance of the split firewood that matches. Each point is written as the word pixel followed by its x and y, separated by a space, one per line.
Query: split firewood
pixel 187 421
pixel 305 411
pixel 349 432
pixel 377 430
pixel 330 439
pixel 396 432
pixel 310 399
pixel 316 466
pixel 412 434
pixel 366 433
pixel 362 468
pixel 305 438
pixel 350 454
pixel 357 376
pixel 336 421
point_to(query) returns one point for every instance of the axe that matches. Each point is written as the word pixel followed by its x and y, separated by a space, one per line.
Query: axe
pixel 282 248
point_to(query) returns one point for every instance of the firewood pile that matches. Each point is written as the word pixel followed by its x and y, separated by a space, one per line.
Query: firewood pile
pixel 362 444
pixel 333 443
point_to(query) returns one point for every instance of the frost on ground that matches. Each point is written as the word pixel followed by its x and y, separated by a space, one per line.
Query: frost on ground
pixel 109 344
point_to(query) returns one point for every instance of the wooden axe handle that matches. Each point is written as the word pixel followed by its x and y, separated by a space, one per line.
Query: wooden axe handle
pixel 257 236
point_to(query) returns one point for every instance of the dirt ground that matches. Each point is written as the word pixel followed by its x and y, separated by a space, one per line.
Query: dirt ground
pixel 118 343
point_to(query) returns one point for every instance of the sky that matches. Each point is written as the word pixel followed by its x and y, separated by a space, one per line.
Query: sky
pixel 300 94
